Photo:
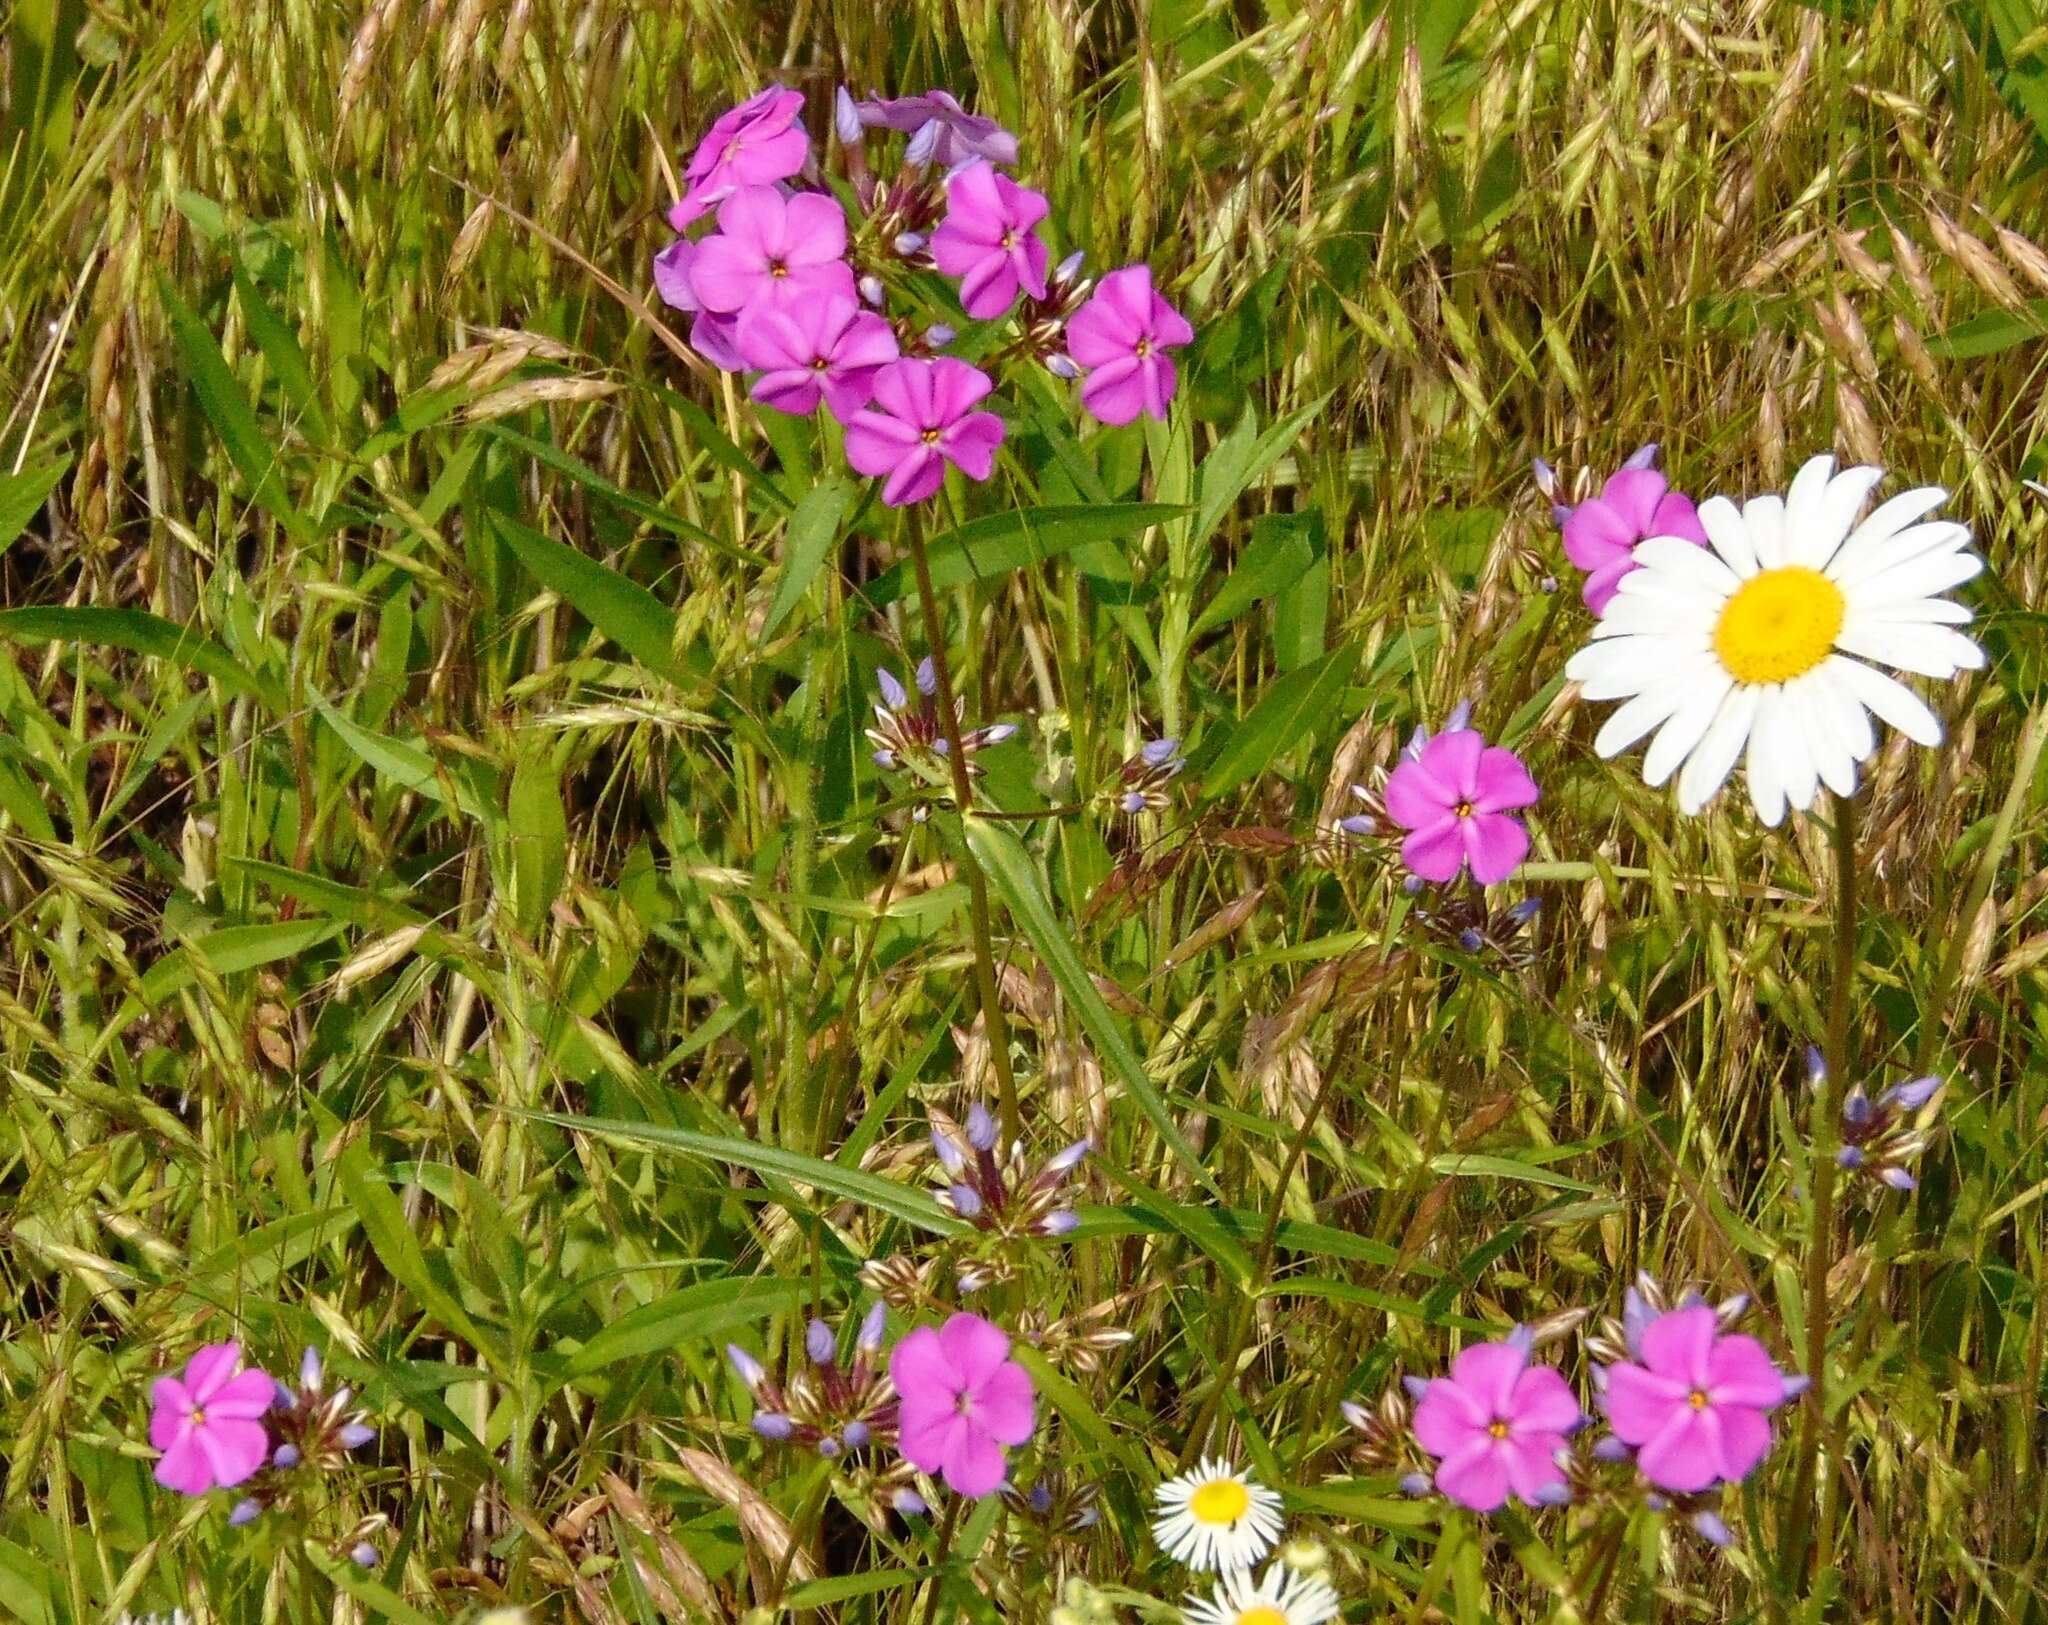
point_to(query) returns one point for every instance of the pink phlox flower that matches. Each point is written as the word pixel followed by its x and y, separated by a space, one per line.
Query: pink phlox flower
pixel 713 335
pixel 768 246
pixel 1636 503
pixel 814 349
pixel 1455 796
pixel 927 419
pixel 989 239
pixel 757 143
pixel 962 1398
pixel 208 1423
pixel 1696 1409
pixel 1121 336
pixel 941 131
pixel 1496 1425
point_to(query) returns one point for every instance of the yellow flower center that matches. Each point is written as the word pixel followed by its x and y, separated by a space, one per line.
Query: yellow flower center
pixel 1264 1614
pixel 1223 1500
pixel 1779 625
pixel 1498 1429
pixel 1697 1399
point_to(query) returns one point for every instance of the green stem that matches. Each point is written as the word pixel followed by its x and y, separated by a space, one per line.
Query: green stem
pixel 945 1551
pixel 1820 1244
pixel 994 1028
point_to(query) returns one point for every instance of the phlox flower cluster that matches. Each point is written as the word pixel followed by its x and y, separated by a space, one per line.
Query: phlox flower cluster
pixel 785 288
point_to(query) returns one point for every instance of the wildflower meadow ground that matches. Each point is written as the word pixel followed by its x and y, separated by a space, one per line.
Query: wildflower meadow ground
pixel 1080 813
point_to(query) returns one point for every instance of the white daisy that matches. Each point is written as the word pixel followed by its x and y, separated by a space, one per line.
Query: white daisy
pixel 1280 1596
pixel 1750 642
pixel 1216 1517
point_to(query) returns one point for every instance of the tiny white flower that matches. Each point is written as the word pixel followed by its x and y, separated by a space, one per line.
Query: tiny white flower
pixel 1216 1517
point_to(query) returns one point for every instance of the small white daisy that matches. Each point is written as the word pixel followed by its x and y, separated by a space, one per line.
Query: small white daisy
pixel 1761 640
pixel 1216 1517
pixel 1280 1596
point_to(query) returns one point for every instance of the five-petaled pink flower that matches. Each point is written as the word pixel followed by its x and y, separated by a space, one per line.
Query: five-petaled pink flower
pixel 1696 1408
pixel 815 348
pixel 1636 503
pixel 927 420
pixel 208 1424
pixel 962 1398
pixel 1121 336
pixel 1455 796
pixel 772 247
pixel 757 143
pixel 989 239
pixel 1496 1424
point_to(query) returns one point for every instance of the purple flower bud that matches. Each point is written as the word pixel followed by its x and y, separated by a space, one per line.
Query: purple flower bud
pixel 886 760
pixel 1460 717
pixel 1644 456
pixel 1732 1309
pixel 923 143
pixel 1553 1495
pixel 1898 1179
pixel 1356 1414
pixel 981 1127
pixel 939 335
pixel 364 1553
pixel 1132 802
pixel 951 1157
pixel 773 1425
pixel 1712 1530
pixel 1041 1499
pixel 746 1365
pixel 1471 939
pixel 966 1200
pixel 1609 1448
pixel 1000 733
pixel 871 290
pixel 342 1396
pixel 1523 1338
pixel 1415 1484
pixel 819 1343
pixel 1912 1095
pixel 1857 1109
pixel 855 1434
pixel 892 691
pixel 285 1456
pixel 354 1435
pixel 1357 824
pixel 828 1447
pixel 1526 910
pixel 1062 366
pixel 1795 1386
pixel 1413 749
pixel 909 242
pixel 846 122
pixel 1062 1162
pixel 309 1368
pixel 247 1510
pixel 1060 1223
pixel 1560 512
pixel 1547 585
pixel 286 1399
pixel 1158 752
pixel 1636 1315
pixel 908 1502
pixel 1417 1387
pixel 1816 1065
pixel 927 677
pixel 1546 477
pixel 1849 1157
pixel 874 1326
pixel 1087 1518
pixel 1411 884
pixel 1070 267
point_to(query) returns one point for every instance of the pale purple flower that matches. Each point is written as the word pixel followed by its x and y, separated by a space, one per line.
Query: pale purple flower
pixel 962 1398
pixel 1636 503
pixel 815 349
pixel 1496 1425
pixel 941 131
pixel 1122 336
pixel 1456 798
pixel 757 143
pixel 772 247
pixel 208 1423
pixel 714 336
pixel 1696 1408
pixel 989 239
pixel 927 419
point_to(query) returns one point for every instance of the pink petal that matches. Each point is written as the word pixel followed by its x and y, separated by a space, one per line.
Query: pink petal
pixel 1740 1372
pixel 1129 293
pixel 1415 799
pixel 847 390
pixel 971 444
pixel 233 1449
pixel 1639 1403
pixel 1745 1440
pixel 1676 516
pixel 1544 1402
pixel 170 1401
pixel 974 1467
pixel 1028 260
pixel 903 388
pixel 795 390
pixel 1594 535
pixel 672 274
pixel 1453 759
pixel 919 1365
pixel 1685 1453
pixel 1097 335
pixel 1601 586
pixel 989 287
pixel 1504 783
pixel 715 337
pixel 1531 1464
pixel 1489 1372
pixel 866 341
pixel 210 1369
pixel 957 387
pixel 932 1438
pixel 1115 390
pixel 769 336
pixel 245 1397
pixel 754 218
pixel 1633 494
pixel 1476 1477
pixel 1170 328
pixel 974 203
pixel 1447 1419
pixel 727 273
pixel 1157 371
pixel 915 478
pixel 814 227
pixel 184 1466
pixel 1495 846
pixel 1022 207
pixel 976 1349
pixel 1679 1343
pixel 875 445
pixel 1437 851
pixel 1003 1404
pixel 777 158
pixel 808 284
pixel 956 250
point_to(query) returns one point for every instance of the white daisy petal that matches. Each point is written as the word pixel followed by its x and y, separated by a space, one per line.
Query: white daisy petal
pixel 1798 773
pixel 1215 1517
pixel 1832 758
pixel 1804 495
pixel 1238 1599
pixel 1847 718
pixel 1637 717
pixel 1677 739
pixel 1766 786
pixel 1916 611
pixel 1889 698
pixel 1918 578
pixel 1707 769
pixel 1816 537
pixel 1850 569
pixel 1725 530
pixel 1764 518
pixel 1677 560
pixel 1890 517
pixel 1928 651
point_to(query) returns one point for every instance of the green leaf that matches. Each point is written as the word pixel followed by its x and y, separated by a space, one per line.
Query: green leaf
pixel 911 1204
pixel 623 610
pixel 982 549
pixel 1238 460
pixel 232 949
pixel 1277 556
pixel 228 410
pixel 715 441
pixel 1287 711
pixel 708 1309
pixel 280 347
pixel 843 1587
pixel 22 497
pixel 380 1599
pixel 138 632
pixel 399 763
pixel 1002 856
pixel 539 831
pixel 813 528
pixel 397 1248
pixel 1992 332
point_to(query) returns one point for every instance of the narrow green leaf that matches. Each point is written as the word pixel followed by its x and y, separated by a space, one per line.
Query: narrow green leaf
pixel 1287 711
pixel 714 440
pixel 380 1599
pixel 983 549
pixel 539 831
pixel 232 949
pixel 397 1248
pixel 136 631
pixel 1277 556
pixel 280 347
pixel 1002 856
pixel 399 763
pixel 844 1587
pixel 623 610
pixel 22 497
pixel 706 1310
pixel 813 528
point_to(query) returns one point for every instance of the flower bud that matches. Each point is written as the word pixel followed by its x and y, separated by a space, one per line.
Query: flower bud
pixel 908 1502
pixel 748 1368
pixel 981 1127
pixel 1070 267
pixel 1060 1223
pixel 846 122
pixel 309 1368
pixel 819 1343
pixel 1061 366
pixel 856 1435
pixel 873 1327
pixel 773 1425
pixel 966 1200
pixel 1415 1484
pixel 909 243
pixel 354 1435
pixel 246 1511
pixel 364 1553
pixel 285 1456
pixel 939 335
pixel 871 290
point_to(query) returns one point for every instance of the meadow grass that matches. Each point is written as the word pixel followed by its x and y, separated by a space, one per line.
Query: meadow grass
pixel 360 842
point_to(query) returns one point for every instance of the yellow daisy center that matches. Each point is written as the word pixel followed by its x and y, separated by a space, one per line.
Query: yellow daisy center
pixel 1264 1614
pixel 1223 1500
pixel 1779 625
